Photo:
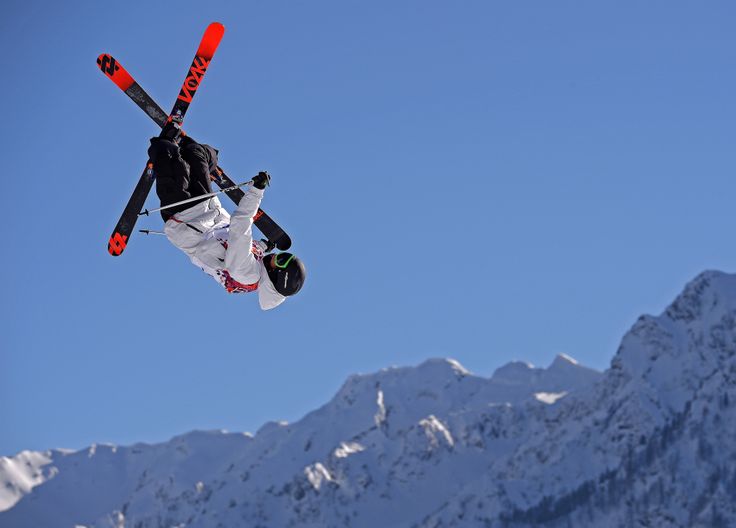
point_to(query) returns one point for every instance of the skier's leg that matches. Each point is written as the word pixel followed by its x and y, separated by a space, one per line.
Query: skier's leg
pixel 172 175
pixel 202 160
pixel 168 167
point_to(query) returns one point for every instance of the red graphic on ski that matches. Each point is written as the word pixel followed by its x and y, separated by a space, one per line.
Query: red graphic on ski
pixel 117 73
pixel 208 46
pixel 117 244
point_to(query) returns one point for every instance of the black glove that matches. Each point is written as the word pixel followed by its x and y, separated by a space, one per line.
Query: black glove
pixel 171 131
pixel 261 180
pixel 269 245
pixel 162 149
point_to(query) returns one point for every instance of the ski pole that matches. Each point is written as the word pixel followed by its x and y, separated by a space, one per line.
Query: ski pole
pixel 194 199
pixel 151 232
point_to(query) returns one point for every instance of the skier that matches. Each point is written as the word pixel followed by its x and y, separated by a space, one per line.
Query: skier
pixel 220 244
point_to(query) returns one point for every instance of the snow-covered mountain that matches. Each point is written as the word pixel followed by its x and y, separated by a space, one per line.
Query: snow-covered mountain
pixel 649 442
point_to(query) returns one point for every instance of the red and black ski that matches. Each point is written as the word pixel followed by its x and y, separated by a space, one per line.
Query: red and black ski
pixel 207 47
pixel 126 83
pixel 265 224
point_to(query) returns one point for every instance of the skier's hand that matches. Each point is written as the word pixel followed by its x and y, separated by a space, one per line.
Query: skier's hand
pixel 162 149
pixel 261 180
pixel 171 131
pixel 269 245
pixel 216 175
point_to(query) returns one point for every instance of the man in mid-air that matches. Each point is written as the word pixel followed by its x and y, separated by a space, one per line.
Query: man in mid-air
pixel 220 244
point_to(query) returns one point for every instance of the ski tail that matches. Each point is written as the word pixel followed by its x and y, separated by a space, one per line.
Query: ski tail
pixel 114 71
pixel 119 238
pixel 208 45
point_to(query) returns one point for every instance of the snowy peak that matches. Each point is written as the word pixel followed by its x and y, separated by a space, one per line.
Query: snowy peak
pixel 563 361
pixel 432 372
pixel 410 394
pixel 658 355
pixel 522 379
pixel 396 399
pixel 21 473
pixel 515 373
pixel 565 372
pixel 705 299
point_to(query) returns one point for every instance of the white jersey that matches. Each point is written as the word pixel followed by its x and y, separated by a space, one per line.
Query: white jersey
pixel 222 245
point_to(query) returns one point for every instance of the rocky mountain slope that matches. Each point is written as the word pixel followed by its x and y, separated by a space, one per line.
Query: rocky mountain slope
pixel 649 442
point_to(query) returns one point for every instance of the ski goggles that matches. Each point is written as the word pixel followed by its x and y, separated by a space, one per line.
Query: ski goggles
pixel 282 260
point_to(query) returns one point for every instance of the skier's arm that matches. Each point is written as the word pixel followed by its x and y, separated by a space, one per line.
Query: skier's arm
pixel 239 259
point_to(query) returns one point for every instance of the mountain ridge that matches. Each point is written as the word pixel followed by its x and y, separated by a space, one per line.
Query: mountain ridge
pixel 436 446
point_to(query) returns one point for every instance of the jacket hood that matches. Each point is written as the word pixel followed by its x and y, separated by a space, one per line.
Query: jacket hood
pixel 268 297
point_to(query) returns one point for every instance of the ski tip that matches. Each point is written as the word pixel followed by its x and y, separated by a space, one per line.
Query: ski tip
pixel 211 39
pixel 117 244
pixel 216 27
pixel 112 68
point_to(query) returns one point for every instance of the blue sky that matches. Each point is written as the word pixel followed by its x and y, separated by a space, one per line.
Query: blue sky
pixel 480 180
